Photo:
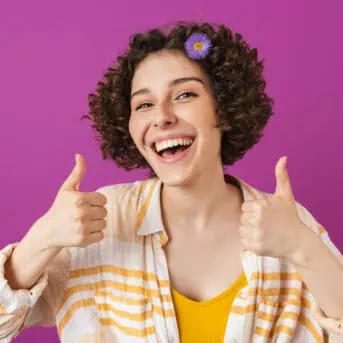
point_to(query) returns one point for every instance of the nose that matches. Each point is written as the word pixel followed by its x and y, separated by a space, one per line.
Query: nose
pixel 164 117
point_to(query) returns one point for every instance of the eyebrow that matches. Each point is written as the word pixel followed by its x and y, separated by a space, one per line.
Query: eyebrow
pixel 171 84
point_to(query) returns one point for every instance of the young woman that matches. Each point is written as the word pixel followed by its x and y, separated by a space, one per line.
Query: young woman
pixel 190 254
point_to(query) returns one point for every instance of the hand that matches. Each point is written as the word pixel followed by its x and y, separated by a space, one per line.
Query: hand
pixel 75 218
pixel 271 226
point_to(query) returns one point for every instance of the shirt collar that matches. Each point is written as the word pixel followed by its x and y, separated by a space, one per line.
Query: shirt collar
pixel 150 211
pixel 150 215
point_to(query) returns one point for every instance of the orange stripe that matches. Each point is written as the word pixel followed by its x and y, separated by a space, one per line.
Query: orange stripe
pixel 307 323
pixel 305 302
pixel 142 188
pixel 274 291
pixel 163 238
pixel 269 317
pixel 142 211
pixel 107 307
pixel 106 284
pixel 101 284
pixel 110 284
pixel 321 230
pixel 284 328
pixel 294 302
pixel 253 307
pixel 163 312
pixel 243 310
pixel 267 333
pixel 115 298
pixel 276 276
pixel 129 273
pixel 77 305
pixel 141 302
pixel 139 317
pixel 262 332
pixel 129 331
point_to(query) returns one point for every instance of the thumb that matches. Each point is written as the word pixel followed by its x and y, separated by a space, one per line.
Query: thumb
pixel 283 183
pixel 73 181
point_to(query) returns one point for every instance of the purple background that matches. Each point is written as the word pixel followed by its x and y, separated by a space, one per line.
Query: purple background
pixel 53 53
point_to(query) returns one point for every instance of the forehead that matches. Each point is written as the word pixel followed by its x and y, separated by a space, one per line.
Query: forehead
pixel 162 66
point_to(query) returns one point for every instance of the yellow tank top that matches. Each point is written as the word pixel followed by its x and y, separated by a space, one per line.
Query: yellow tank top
pixel 205 321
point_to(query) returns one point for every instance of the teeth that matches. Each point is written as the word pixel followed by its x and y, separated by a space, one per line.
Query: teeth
pixel 169 143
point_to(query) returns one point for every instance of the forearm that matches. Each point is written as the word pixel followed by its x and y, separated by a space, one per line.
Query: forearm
pixel 30 257
pixel 322 273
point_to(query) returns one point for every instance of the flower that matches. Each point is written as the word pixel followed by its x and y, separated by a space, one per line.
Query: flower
pixel 198 45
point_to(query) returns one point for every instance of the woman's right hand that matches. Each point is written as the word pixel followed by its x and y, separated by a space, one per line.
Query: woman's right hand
pixel 75 218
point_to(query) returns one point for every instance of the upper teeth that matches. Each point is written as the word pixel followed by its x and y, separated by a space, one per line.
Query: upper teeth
pixel 169 143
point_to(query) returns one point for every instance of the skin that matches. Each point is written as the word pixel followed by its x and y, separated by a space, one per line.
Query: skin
pixel 190 212
pixel 75 219
pixel 195 215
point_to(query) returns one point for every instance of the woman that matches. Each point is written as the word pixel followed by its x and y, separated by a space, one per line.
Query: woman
pixel 190 254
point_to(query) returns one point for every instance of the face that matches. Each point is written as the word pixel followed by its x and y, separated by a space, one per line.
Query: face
pixel 173 118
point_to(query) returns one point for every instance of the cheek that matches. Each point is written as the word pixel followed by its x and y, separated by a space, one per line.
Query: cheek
pixel 134 127
pixel 137 129
pixel 132 130
pixel 203 114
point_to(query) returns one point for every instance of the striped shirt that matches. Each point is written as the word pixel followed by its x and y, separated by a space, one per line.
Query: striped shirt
pixel 118 290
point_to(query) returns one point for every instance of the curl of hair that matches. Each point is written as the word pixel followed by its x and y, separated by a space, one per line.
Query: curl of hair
pixel 235 73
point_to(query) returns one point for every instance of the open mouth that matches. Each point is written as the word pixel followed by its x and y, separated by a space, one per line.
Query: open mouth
pixel 172 148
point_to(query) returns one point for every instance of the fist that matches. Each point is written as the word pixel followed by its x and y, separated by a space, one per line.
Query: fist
pixel 271 226
pixel 75 218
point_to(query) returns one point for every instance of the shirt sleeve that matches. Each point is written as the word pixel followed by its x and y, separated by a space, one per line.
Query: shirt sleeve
pixel 36 306
pixel 332 326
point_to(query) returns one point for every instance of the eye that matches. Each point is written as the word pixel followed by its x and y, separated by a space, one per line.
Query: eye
pixel 186 93
pixel 181 96
pixel 142 105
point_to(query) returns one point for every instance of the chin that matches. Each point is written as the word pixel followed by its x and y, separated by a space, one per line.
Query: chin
pixel 175 177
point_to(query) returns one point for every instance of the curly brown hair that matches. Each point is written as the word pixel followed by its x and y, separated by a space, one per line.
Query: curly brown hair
pixel 235 74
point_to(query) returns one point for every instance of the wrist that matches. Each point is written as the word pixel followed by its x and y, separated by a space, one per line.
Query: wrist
pixel 307 248
pixel 42 233
pixel 30 257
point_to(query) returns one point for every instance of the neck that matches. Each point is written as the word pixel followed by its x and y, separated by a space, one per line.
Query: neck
pixel 205 201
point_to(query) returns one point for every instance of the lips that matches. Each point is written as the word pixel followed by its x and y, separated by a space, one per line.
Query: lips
pixel 173 157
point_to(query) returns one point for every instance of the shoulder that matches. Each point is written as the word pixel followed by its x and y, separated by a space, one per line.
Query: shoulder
pixel 122 193
pixel 124 205
pixel 117 192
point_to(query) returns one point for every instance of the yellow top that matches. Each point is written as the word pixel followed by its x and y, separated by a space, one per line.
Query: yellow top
pixel 205 321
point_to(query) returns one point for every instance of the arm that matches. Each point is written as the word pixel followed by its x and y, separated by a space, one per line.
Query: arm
pixel 34 273
pixel 320 265
pixel 22 272
pixel 36 305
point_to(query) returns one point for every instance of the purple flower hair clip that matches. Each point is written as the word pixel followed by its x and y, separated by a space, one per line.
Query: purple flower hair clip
pixel 198 45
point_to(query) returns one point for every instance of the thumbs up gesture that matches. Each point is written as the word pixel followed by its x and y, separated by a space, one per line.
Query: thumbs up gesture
pixel 76 218
pixel 271 225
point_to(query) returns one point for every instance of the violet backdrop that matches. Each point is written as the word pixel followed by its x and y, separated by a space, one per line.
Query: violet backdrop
pixel 52 53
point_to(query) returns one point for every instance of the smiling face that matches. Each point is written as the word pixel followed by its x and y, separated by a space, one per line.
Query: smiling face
pixel 173 118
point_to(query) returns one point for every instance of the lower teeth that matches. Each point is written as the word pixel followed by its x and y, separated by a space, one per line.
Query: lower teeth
pixel 173 151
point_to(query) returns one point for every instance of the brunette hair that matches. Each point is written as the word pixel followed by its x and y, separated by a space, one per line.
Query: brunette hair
pixel 235 74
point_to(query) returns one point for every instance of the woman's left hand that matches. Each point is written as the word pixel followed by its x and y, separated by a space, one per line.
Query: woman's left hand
pixel 271 226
